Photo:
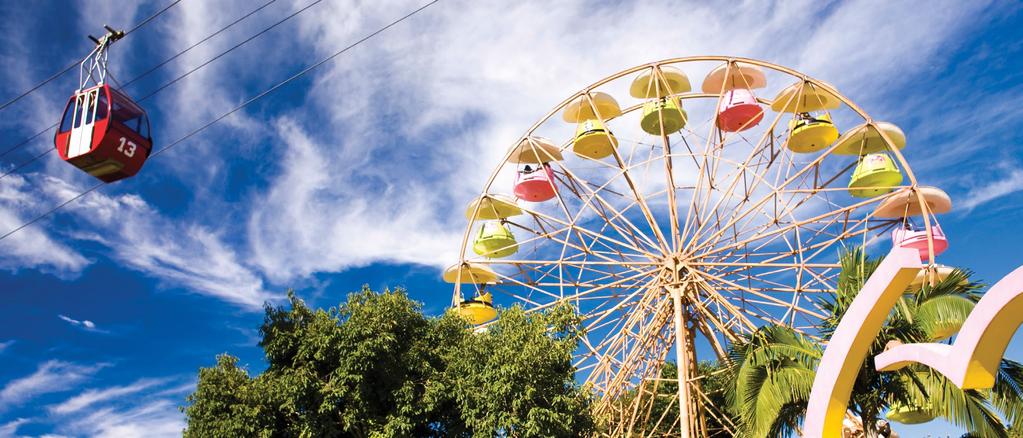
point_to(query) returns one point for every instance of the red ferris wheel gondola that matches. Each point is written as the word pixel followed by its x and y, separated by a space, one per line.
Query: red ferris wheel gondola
pixel 103 132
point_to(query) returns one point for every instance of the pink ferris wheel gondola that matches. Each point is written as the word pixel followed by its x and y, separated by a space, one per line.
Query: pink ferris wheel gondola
pixel 916 238
pixel 535 184
pixel 739 111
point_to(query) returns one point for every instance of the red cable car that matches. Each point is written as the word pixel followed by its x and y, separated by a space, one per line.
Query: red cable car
pixel 103 131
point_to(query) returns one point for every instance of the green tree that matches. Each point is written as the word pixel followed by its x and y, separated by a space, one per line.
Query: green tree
pixel 375 366
pixel 774 368
pixel 517 379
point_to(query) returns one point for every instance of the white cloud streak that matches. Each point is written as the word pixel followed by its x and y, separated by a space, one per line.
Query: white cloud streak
pixel 10 428
pixel 84 324
pixel 374 164
pixel 51 376
pixel 178 254
pixel 156 418
pixel 992 190
pixel 93 396
pixel 31 247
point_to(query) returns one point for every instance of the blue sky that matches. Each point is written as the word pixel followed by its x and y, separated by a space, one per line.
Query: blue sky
pixel 356 173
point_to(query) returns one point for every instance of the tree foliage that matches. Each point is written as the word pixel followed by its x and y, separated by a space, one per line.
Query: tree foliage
pixel 659 400
pixel 376 367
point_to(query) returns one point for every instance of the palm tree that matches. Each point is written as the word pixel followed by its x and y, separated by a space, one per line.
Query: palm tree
pixel 774 368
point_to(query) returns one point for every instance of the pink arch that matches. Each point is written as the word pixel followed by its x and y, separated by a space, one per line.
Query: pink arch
pixel 847 349
pixel 972 361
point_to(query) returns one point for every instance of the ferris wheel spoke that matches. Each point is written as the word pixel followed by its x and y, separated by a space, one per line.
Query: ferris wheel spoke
pixel 740 171
pixel 642 336
pixel 735 314
pixel 573 226
pixel 587 193
pixel 753 291
pixel 739 214
pixel 786 228
pixel 641 200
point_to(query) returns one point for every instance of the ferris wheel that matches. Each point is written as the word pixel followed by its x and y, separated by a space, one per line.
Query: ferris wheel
pixel 677 219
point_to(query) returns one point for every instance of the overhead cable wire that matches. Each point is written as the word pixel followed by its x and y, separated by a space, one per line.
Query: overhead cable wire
pixel 73 64
pixel 173 81
pixel 208 37
pixel 247 102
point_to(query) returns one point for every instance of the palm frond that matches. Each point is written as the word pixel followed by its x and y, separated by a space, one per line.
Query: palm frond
pixel 942 315
pixel 1007 394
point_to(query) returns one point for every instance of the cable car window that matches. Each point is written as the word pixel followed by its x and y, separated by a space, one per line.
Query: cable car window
pixel 79 110
pixel 101 107
pixel 144 126
pixel 127 115
pixel 69 114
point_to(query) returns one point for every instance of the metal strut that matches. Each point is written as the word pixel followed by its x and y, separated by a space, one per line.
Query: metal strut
pixel 93 69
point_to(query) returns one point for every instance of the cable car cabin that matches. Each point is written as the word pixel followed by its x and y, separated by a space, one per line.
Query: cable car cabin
pixel 739 111
pixel 916 238
pixel 811 134
pixel 495 241
pixel 104 133
pixel 535 183
pixel 665 109
pixel 875 174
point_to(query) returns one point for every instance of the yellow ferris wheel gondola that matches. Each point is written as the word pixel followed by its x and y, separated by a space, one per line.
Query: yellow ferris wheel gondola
pixel 495 241
pixel 810 133
pixel 875 174
pixel 479 310
pixel 589 111
pixel 660 85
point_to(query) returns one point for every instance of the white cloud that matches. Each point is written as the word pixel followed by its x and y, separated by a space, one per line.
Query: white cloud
pixel 154 418
pixel 180 254
pixel 404 130
pixel 93 396
pixel 395 136
pixel 30 247
pixel 51 376
pixel 992 190
pixel 328 226
pixel 84 324
pixel 4 345
pixel 144 408
pixel 10 428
